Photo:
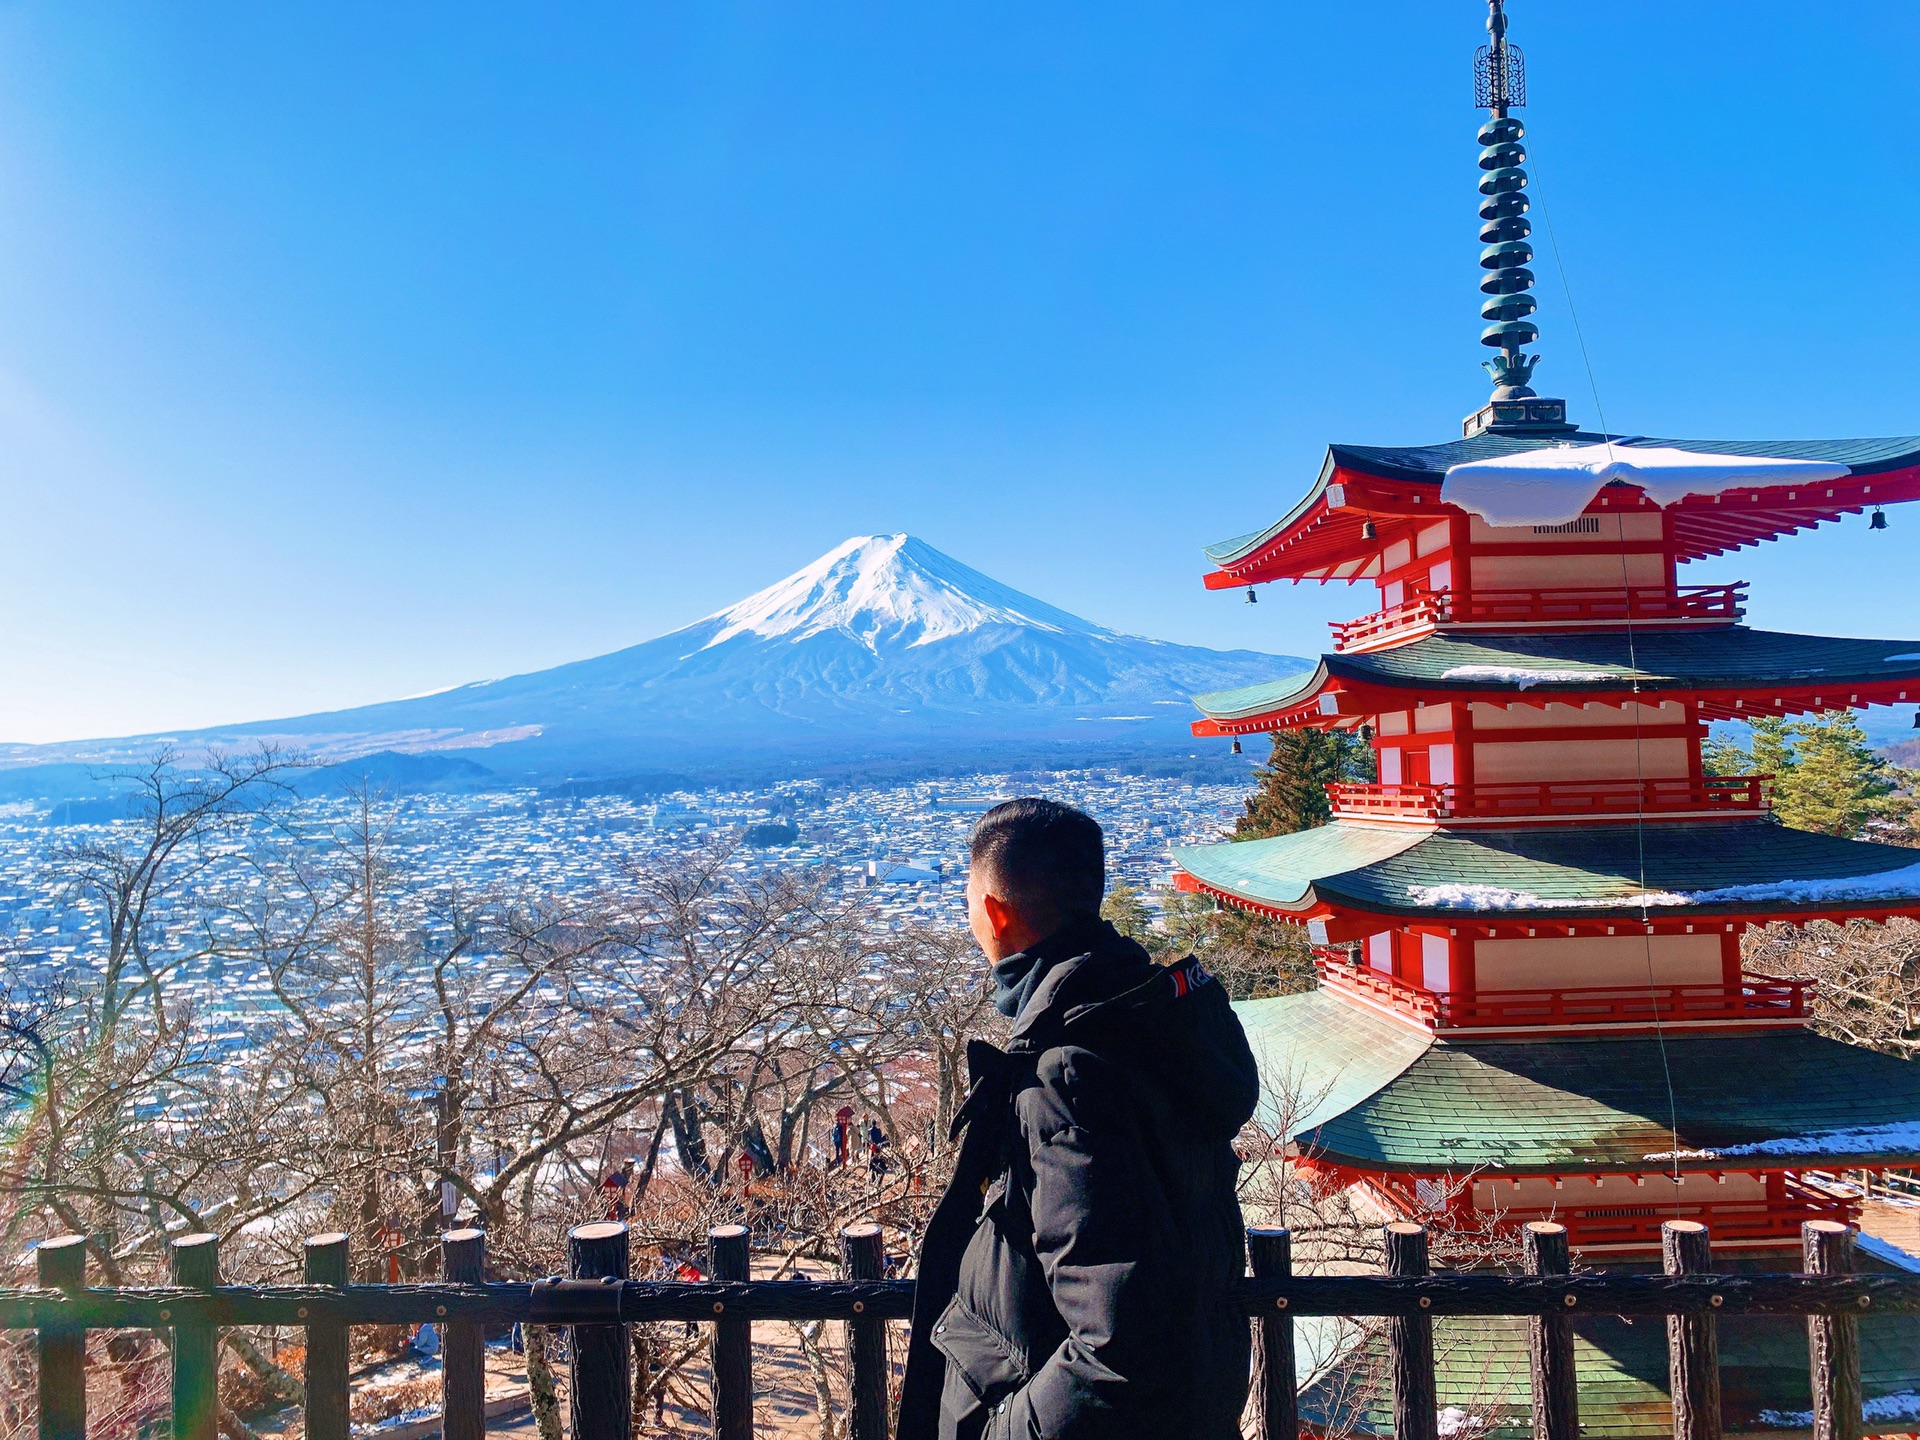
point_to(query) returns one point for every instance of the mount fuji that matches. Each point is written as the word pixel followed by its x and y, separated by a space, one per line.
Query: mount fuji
pixel 882 650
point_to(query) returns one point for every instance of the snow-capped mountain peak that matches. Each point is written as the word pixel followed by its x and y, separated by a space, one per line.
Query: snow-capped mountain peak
pixel 883 650
pixel 890 590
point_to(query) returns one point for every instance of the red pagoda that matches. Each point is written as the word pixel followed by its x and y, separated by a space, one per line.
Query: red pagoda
pixel 1532 1003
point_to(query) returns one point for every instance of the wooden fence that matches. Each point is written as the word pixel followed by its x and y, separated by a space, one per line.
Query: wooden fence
pixel 596 1300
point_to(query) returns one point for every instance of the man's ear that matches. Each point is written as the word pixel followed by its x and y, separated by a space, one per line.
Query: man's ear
pixel 1001 918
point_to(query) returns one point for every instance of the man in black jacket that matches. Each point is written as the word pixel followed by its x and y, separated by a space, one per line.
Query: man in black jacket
pixel 1074 1280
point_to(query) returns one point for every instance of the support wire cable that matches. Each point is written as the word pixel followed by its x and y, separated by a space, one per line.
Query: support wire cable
pixel 1633 666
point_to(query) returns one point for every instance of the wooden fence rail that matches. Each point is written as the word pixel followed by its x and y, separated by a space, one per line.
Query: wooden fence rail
pixel 597 1301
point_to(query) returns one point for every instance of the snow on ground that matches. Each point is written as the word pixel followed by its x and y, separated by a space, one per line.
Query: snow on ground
pixel 1902 1405
pixel 1886 1252
pixel 1456 1422
pixel 1554 485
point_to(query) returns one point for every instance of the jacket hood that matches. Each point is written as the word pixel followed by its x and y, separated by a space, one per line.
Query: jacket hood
pixel 1095 987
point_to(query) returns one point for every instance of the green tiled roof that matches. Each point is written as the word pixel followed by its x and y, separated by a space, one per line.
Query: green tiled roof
pixel 1596 1105
pixel 1622 1368
pixel 1730 658
pixel 1269 695
pixel 1560 871
pixel 1320 1056
pixel 1429 463
pixel 1281 870
pixel 1725 658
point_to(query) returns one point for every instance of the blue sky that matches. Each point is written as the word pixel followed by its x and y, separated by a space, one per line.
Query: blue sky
pixel 351 351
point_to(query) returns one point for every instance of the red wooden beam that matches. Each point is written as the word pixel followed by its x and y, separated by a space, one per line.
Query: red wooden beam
pixel 1368 697
pixel 1709 525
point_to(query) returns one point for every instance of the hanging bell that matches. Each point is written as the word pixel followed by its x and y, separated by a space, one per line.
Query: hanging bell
pixel 1916 719
pixel 1253 597
pixel 1367 531
pixel 1878 520
pixel 1365 732
pixel 1236 743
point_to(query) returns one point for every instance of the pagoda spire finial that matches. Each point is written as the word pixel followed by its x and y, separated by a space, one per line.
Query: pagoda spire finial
pixel 1500 86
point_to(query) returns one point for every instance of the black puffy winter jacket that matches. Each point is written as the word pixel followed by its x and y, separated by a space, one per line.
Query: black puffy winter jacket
pixel 1074 1278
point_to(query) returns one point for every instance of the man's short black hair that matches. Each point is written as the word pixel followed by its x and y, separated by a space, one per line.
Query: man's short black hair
pixel 1048 859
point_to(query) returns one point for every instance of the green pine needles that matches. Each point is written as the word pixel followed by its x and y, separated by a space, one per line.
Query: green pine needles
pixel 1826 776
pixel 1292 786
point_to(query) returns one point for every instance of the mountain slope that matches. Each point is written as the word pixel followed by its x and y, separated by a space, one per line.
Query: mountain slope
pixel 882 647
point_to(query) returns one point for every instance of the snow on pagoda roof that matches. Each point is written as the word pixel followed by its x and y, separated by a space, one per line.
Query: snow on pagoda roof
pixel 1432 462
pixel 1601 1105
pixel 1606 871
pixel 1324 529
pixel 1762 663
pixel 1556 484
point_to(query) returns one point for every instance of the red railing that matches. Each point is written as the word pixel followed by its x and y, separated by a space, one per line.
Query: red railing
pixel 1629 1226
pixel 1725 603
pixel 1762 999
pixel 1614 1221
pixel 1756 997
pixel 1600 797
pixel 1392 802
pixel 1422 612
pixel 1340 973
pixel 1552 799
pixel 1655 604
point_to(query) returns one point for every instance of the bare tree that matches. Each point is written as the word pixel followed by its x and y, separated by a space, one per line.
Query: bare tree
pixel 1866 976
pixel 120 1038
pixel 177 815
pixel 425 1053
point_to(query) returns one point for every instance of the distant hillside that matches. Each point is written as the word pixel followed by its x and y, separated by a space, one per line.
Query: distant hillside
pixel 1905 754
pixel 393 773
pixel 883 655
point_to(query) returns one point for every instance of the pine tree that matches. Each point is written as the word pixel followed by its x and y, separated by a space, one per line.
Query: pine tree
pixel 1292 791
pixel 1833 782
pixel 1826 777
pixel 1254 955
pixel 1722 755
pixel 1187 922
pixel 1251 955
pixel 1127 912
pixel 1772 750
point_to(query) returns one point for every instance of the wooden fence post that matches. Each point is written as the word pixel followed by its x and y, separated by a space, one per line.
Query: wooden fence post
pixel 1556 1392
pixel 727 1259
pixel 326 1377
pixel 862 1258
pixel 196 1348
pixel 1275 1378
pixel 1416 1409
pixel 1833 1341
pixel 62 1265
pixel 1693 1341
pixel 600 1400
pixel 463 1343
